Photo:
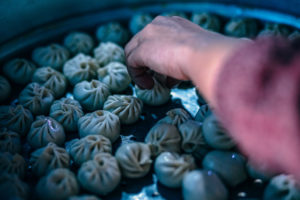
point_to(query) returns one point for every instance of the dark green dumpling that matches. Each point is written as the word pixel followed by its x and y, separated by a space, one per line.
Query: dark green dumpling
pixel 203 112
pixel 275 30
pixel 139 21
pixel 207 21
pixel 241 27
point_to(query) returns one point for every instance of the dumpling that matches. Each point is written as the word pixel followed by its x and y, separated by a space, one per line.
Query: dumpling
pixel 230 166
pixel 5 89
pixel 139 21
pixel 241 27
pixel 79 42
pixel 80 68
pixel 100 175
pixel 47 158
pixel 163 137
pixel 126 107
pixel 84 149
pixel 84 197
pixel 259 173
pixel 275 30
pixel 19 70
pixel 59 184
pixel 203 112
pixel 91 95
pixel 16 118
pixel 9 141
pixel 12 188
pixel 170 168
pixel 203 184
pixel 215 135
pixel 158 95
pixel 134 159
pixel 12 164
pixel 176 117
pixel 108 52
pixel 115 76
pixel 53 55
pixel 207 21
pixel 44 130
pixel 282 187
pixel 113 32
pixel 100 122
pixel 175 13
pixel 294 35
pixel 67 112
pixel 36 98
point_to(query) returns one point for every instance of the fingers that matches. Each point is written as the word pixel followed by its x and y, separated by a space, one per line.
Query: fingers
pixel 172 82
pixel 141 77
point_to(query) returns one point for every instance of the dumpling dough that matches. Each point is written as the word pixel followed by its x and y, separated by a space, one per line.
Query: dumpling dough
pixel 113 32
pixel 91 95
pixel 36 98
pixel 282 187
pixel 79 42
pixel 156 96
pixel 67 112
pixel 12 188
pixel 241 27
pixel 203 184
pixel 176 117
pixel 100 122
pixel 51 79
pixel 84 197
pixel 115 76
pixel 100 175
pixel 12 164
pixel 230 166
pixel 47 158
pixel 9 141
pixel 215 135
pixel 207 21
pixel 86 148
pixel 138 22
pixel 203 112
pixel 275 30
pixel 170 168
pixel 134 159
pixel 53 55
pixel 59 184
pixel 163 137
pixel 108 52
pixel 16 118
pixel 19 70
pixel 127 108
pixel 5 89
pixel 44 130
pixel 80 68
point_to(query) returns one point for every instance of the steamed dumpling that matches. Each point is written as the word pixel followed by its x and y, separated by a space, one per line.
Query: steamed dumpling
pixel 275 30
pixel 100 122
pixel 294 35
pixel 115 76
pixel 51 79
pixel 170 168
pixel 79 42
pixel 67 112
pixel 241 27
pixel 84 197
pixel 175 13
pixel 257 172
pixel 134 159
pixel 9 141
pixel 113 32
pixel 59 184
pixel 80 68
pixel 36 98
pixel 176 117
pixel 84 149
pixel 203 112
pixel 100 175
pixel 16 118
pixel 158 95
pixel 19 70
pixel 44 130
pixel 203 184
pixel 138 22
pixel 91 95
pixel 207 21
pixel 47 158
pixel 163 137
pixel 12 164
pixel 5 89
pixel 53 55
pixel 215 135
pixel 108 52
pixel 12 188
pixel 127 108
